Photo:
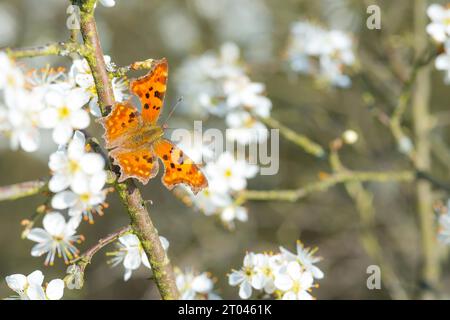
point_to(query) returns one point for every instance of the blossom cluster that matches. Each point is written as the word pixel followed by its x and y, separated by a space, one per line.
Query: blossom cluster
pixel 31 287
pixel 218 84
pixel 439 30
pixel 47 99
pixel 131 254
pixel 284 275
pixel 31 101
pixel 195 286
pixel 78 179
pixel 324 54
pixel 227 177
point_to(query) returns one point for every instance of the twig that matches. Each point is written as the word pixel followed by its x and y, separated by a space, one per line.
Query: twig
pixel 422 160
pixel 406 95
pixel 301 140
pixel 337 178
pixel 75 277
pixel 57 49
pixel 363 200
pixel 22 190
pixel 129 194
pixel 138 65
pixel 83 260
pixel 94 55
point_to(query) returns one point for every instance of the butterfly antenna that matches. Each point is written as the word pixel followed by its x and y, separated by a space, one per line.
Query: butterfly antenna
pixel 171 112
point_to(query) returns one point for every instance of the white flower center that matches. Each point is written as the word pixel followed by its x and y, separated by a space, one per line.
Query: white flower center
pixel 248 271
pixel 249 122
pixel 73 166
pixel 296 287
pixel 11 80
pixel 63 112
pixel 85 197
pixel 228 173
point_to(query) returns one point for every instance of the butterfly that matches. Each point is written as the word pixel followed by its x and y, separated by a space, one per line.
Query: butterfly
pixel 136 140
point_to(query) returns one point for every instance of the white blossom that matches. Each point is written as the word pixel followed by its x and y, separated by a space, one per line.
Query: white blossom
pixel 81 171
pixel 282 275
pixel 322 53
pixel 442 61
pixel 131 254
pixel 11 76
pixel 80 73
pixel 233 213
pixel 193 286
pixel 247 278
pixel 228 174
pixel 241 92
pixel 245 129
pixel 70 164
pixel 210 201
pixel 200 79
pixel 439 28
pixel 65 113
pixel 31 287
pixel 56 238
pixel 88 196
pixel 217 84
pixel 23 120
pixel 306 258
pixel 295 282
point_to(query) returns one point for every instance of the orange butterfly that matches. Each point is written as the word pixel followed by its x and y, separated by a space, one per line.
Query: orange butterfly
pixel 137 140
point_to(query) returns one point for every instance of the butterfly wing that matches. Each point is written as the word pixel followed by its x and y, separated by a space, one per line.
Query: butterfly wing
pixel 179 168
pixel 141 164
pixel 151 89
pixel 120 124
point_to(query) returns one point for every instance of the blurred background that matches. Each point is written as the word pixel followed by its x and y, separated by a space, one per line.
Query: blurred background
pixel 136 30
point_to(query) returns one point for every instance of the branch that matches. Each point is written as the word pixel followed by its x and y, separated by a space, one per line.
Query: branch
pixel 301 140
pixel 138 65
pixel 22 190
pixel 363 200
pixel 406 95
pixel 85 259
pixel 77 267
pixel 94 55
pixel 56 49
pixel 337 178
pixel 129 194
pixel 422 161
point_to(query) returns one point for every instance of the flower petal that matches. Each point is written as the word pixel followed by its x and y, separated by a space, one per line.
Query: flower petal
pixel 54 223
pixel 132 259
pixel 92 163
pixel 64 200
pixel 245 290
pixel 36 277
pixel 16 282
pixel 58 182
pixel 55 289
pixel 79 119
pixel 35 292
pixel 235 278
pixel 38 235
pixel 62 133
